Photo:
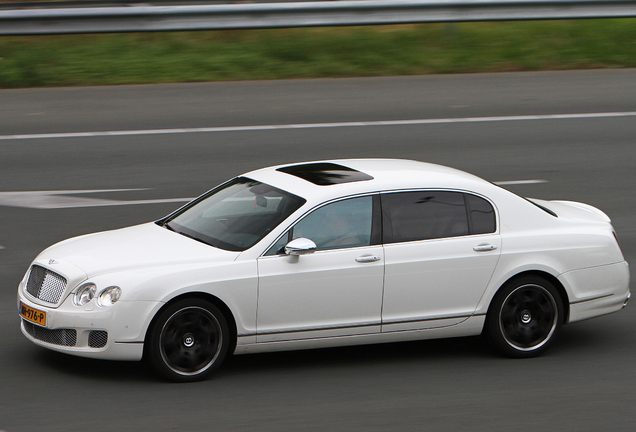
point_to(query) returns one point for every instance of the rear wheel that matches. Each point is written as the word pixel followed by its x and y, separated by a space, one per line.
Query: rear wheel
pixel 525 317
pixel 188 340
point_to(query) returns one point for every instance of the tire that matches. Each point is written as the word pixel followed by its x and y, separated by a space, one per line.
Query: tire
pixel 188 340
pixel 525 317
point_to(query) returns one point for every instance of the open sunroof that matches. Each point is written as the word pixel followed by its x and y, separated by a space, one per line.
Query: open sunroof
pixel 325 173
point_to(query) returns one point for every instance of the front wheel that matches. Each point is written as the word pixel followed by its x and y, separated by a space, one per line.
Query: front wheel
pixel 525 317
pixel 188 340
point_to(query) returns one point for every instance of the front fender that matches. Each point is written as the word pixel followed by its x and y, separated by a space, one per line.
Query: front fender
pixel 235 283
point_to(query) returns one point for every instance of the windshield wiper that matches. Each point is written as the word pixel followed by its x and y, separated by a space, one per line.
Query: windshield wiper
pixel 167 225
pixel 192 237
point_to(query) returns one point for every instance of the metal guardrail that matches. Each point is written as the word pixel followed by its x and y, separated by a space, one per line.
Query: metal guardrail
pixel 142 18
pixel 54 4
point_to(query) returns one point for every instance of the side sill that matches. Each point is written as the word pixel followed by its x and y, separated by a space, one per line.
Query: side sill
pixel 470 327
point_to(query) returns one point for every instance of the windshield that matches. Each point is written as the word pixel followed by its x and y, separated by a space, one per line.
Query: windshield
pixel 236 215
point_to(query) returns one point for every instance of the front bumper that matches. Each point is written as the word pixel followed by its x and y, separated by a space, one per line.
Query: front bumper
pixel 114 333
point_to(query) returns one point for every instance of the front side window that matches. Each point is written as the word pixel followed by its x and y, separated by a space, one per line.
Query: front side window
pixel 342 224
pixel 235 216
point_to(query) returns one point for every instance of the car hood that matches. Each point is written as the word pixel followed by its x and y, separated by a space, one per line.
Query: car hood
pixel 137 247
pixel 573 210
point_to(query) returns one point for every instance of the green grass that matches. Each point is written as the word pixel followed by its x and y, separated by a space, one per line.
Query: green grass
pixel 38 61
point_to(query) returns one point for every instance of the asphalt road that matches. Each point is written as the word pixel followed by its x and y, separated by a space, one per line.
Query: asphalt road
pixel 584 383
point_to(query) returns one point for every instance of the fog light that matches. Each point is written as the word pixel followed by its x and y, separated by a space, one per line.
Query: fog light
pixel 84 294
pixel 109 296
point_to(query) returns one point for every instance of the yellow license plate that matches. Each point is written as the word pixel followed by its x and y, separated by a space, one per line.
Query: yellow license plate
pixel 33 315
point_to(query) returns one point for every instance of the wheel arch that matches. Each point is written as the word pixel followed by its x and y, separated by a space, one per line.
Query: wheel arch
pixel 217 302
pixel 550 278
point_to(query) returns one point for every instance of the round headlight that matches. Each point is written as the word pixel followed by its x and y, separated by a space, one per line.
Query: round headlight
pixel 84 294
pixel 109 296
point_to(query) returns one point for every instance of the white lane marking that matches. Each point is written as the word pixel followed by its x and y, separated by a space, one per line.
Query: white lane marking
pixel 519 182
pixel 73 191
pixel 58 199
pixel 316 125
pixel 1 247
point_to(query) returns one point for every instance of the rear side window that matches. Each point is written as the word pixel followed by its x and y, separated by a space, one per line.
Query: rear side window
pixel 425 215
pixel 482 215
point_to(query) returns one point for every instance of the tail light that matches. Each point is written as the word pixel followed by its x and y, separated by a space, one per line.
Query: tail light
pixel 618 243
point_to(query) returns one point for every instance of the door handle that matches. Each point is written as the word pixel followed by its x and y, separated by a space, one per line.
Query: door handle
pixel 367 258
pixel 485 248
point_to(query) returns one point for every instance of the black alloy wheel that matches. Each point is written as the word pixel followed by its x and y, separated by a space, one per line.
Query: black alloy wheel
pixel 188 340
pixel 525 317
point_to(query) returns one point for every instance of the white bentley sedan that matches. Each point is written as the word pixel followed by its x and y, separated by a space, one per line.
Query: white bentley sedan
pixel 327 254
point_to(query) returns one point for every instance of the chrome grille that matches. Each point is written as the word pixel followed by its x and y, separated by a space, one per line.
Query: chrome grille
pixel 97 339
pixel 45 284
pixel 64 337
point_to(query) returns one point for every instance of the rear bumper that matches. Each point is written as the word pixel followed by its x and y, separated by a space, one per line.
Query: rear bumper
pixel 597 291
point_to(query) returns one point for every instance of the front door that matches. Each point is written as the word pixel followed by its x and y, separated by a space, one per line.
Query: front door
pixel 336 291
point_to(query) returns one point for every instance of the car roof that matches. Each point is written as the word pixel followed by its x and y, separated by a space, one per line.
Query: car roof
pixel 386 174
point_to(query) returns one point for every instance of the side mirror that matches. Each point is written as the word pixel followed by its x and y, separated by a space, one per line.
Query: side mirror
pixel 300 246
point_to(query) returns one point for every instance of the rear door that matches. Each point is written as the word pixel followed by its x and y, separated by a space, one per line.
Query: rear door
pixel 441 249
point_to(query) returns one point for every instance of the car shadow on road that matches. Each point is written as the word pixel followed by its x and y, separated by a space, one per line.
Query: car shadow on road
pixel 574 340
pixel 588 338
pixel 356 356
pixel 94 369
pixel 342 357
